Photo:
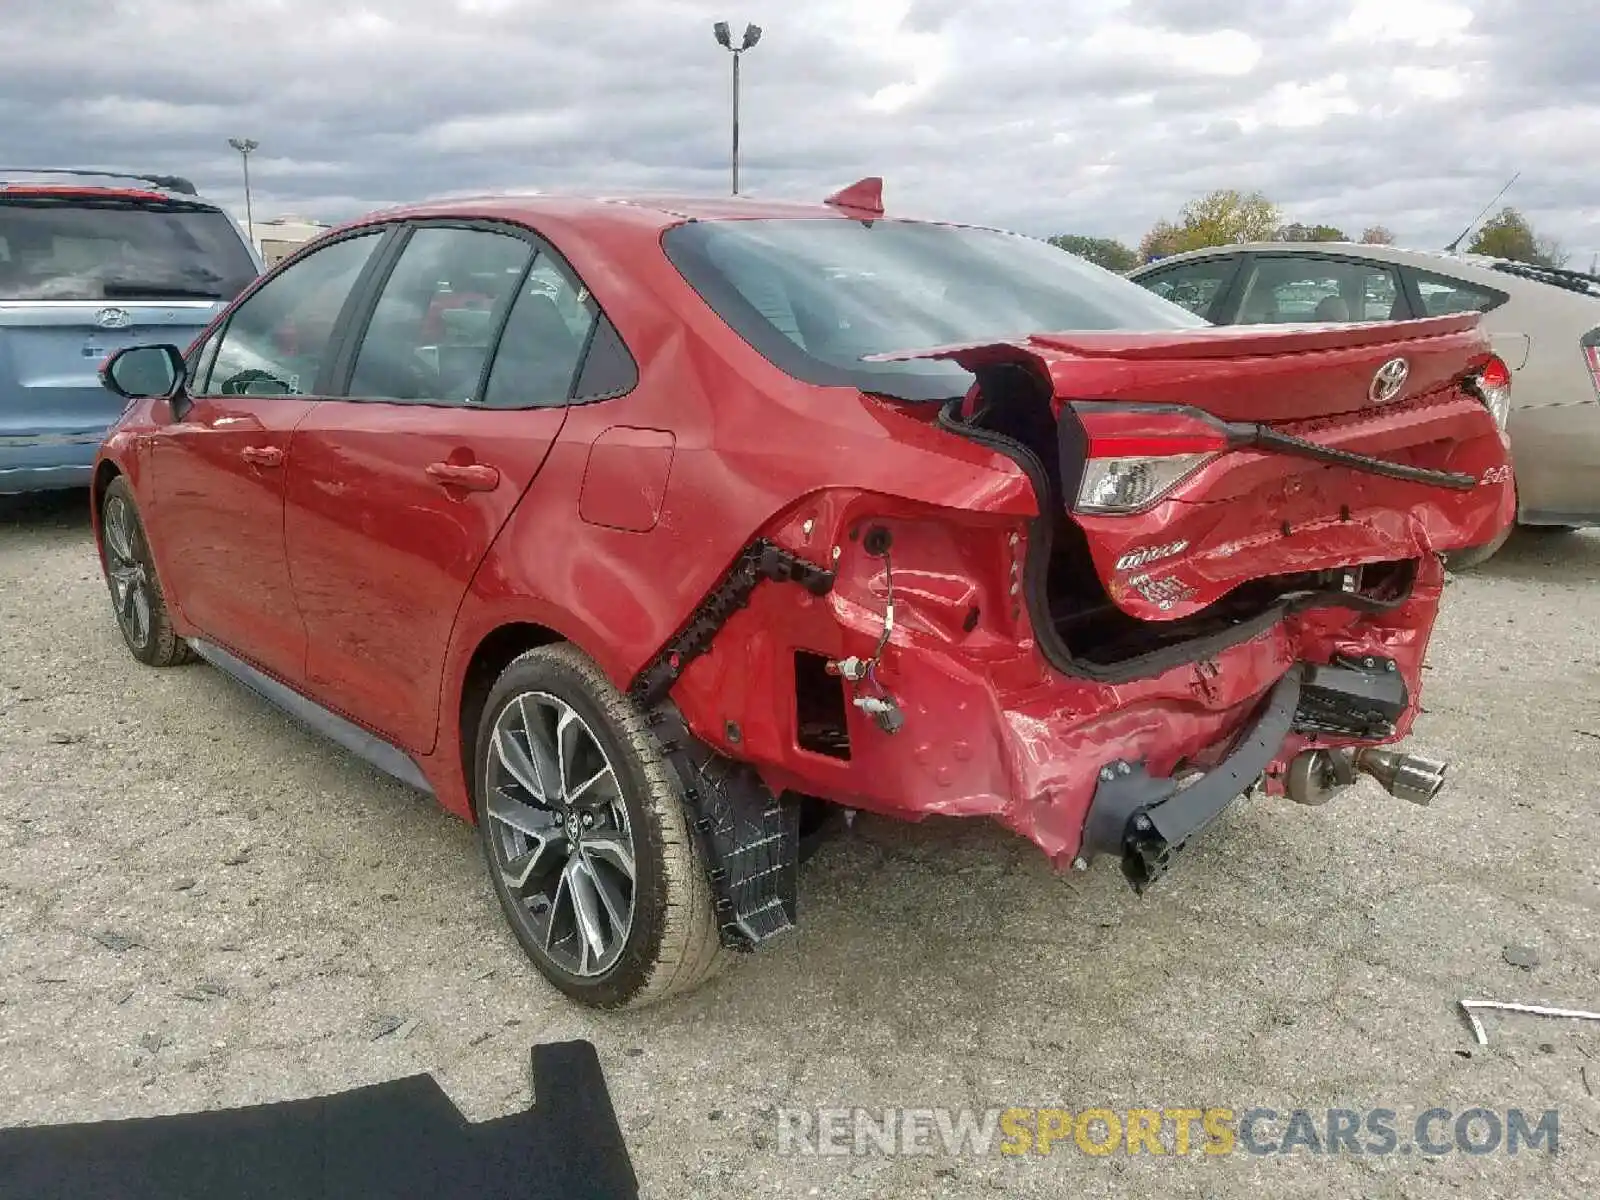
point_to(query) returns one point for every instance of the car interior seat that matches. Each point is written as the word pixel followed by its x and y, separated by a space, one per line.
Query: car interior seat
pixel 1260 306
pixel 1331 308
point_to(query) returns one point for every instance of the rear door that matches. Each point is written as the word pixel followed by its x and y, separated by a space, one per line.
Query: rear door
pixel 218 466
pixel 84 273
pixel 397 490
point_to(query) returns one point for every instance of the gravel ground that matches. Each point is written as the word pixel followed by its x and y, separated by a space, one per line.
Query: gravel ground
pixel 201 905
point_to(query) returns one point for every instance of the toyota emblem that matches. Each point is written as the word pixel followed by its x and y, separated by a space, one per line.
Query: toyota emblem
pixel 113 318
pixel 1389 380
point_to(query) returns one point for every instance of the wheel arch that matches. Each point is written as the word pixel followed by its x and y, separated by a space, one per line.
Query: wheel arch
pixel 493 653
pixel 104 472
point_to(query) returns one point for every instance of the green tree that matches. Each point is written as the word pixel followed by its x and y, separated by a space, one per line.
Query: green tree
pixel 1507 234
pixel 1106 252
pixel 1296 232
pixel 1221 218
pixel 1163 239
pixel 1377 235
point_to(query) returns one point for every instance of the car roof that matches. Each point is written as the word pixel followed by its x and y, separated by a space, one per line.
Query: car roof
pixel 1486 269
pixel 657 211
pixel 90 180
pixel 1341 249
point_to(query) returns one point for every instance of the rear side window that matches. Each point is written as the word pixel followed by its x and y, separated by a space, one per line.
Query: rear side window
pixel 1441 296
pixel 433 326
pixel 1195 285
pixel 276 342
pixel 544 341
pixel 1291 290
pixel 82 248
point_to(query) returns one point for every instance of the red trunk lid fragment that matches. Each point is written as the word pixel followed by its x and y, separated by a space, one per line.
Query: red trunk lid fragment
pixel 1251 513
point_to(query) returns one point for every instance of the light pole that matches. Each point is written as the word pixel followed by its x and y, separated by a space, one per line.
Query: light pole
pixel 246 147
pixel 752 35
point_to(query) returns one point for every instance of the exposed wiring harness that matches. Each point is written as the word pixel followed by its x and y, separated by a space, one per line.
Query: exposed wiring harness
pixel 879 703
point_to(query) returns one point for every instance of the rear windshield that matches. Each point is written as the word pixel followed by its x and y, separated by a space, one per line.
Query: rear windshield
pixel 817 295
pixel 81 249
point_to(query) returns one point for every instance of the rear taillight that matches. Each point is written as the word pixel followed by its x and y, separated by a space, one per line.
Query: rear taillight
pixel 1492 385
pixel 1591 356
pixel 1134 456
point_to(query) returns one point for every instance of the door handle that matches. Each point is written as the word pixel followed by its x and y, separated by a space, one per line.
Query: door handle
pixel 476 477
pixel 262 456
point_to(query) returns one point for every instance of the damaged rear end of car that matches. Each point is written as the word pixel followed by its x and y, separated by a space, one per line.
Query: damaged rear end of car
pixel 1092 584
pixel 1235 568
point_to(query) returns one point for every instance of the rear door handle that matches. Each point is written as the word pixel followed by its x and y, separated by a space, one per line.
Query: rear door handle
pixel 474 478
pixel 262 456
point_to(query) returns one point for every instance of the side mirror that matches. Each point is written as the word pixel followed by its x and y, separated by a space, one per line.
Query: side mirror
pixel 145 372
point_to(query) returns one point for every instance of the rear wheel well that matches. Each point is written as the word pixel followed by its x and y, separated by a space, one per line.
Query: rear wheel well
pixel 491 658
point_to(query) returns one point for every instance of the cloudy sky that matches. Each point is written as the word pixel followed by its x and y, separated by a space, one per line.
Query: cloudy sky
pixel 1091 116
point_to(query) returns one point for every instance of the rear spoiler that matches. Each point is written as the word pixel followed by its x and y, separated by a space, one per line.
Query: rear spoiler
pixel 1206 341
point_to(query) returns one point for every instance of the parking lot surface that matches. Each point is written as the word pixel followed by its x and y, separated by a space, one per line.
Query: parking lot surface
pixel 202 905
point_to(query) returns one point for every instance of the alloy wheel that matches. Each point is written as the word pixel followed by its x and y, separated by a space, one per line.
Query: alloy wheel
pixel 560 833
pixel 130 584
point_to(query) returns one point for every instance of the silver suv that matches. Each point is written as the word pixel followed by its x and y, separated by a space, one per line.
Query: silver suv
pixel 92 261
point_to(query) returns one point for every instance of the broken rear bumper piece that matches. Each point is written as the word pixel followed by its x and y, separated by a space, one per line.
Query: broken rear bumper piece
pixel 1145 820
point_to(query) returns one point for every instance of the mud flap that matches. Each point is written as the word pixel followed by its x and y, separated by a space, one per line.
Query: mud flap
pixel 1146 820
pixel 748 838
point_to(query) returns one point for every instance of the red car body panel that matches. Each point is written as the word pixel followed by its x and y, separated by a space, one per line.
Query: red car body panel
pixel 223 560
pixel 611 521
pixel 382 544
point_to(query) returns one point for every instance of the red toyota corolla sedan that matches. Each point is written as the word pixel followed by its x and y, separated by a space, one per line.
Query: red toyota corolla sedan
pixel 629 528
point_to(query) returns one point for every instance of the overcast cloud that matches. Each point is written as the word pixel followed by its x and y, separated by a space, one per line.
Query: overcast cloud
pixel 1090 116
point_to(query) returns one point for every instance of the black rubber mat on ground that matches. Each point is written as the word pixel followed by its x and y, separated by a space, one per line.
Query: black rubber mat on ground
pixel 394 1139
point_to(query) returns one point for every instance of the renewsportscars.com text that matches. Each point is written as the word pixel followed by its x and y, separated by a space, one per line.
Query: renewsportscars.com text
pixel 1177 1131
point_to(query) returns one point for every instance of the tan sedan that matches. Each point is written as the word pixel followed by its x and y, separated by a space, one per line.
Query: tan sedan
pixel 1544 323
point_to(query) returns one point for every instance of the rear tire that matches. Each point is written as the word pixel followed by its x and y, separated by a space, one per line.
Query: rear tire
pixel 585 836
pixel 1476 556
pixel 137 601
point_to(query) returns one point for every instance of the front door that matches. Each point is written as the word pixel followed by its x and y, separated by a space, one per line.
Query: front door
pixel 218 466
pixel 397 492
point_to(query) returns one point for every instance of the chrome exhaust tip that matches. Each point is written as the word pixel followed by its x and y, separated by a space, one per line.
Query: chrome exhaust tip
pixel 1411 777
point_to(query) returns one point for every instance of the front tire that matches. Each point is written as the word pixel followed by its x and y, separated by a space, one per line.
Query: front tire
pixel 585 837
pixel 137 600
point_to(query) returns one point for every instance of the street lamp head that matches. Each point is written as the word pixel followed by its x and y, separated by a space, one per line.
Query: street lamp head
pixel 243 145
pixel 724 38
pixel 752 35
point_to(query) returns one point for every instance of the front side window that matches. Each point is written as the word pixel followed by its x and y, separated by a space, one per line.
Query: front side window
pixel 544 341
pixel 817 296
pixel 276 342
pixel 83 247
pixel 1286 290
pixel 1193 285
pixel 434 324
